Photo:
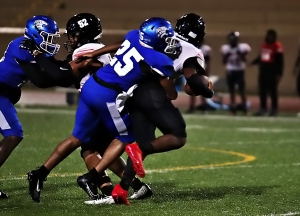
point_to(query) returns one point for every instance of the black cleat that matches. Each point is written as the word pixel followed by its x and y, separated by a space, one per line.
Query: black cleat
pixel 3 195
pixel 144 192
pixel 35 185
pixel 89 187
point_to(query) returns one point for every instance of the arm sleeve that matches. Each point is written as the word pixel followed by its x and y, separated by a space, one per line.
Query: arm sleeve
pixel 194 81
pixel 39 78
pixel 54 70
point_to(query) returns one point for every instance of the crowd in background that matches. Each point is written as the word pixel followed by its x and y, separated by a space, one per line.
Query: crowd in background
pixel 270 64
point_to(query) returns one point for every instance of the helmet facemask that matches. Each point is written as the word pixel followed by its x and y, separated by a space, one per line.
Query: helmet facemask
pixel 173 48
pixel 50 43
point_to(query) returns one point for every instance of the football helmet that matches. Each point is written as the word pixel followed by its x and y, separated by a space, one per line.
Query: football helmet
pixel 191 28
pixel 81 29
pixel 158 33
pixel 44 32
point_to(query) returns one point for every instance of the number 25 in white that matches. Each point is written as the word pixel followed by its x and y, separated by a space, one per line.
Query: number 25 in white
pixel 131 53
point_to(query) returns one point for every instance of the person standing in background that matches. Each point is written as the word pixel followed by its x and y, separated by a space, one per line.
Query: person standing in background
pixel 234 58
pixel 271 63
pixel 206 50
pixel 296 72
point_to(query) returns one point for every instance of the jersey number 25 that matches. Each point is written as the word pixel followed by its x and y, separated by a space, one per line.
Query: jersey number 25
pixel 120 69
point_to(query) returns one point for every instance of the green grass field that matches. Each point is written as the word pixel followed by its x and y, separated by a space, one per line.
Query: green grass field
pixel 230 166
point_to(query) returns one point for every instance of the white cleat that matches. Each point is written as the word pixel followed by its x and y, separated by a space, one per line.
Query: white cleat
pixel 144 192
pixel 101 201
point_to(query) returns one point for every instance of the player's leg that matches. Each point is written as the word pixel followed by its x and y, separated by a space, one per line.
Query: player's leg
pixel 230 76
pixel 86 121
pixel 262 86
pixel 151 100
pixel 242 90
pixel 11 130
pixel 144 132
pixel 120 125
pixel 273 83
pixel 192 104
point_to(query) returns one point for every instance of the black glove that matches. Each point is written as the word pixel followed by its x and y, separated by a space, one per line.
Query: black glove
pixel 28 45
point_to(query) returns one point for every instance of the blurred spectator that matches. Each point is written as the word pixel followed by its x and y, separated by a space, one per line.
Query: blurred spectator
pixel 296 72
pixel 234 58
pixel 270 62
pixel 206 50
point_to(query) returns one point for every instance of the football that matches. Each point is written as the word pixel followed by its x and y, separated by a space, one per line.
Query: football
pixel 189 91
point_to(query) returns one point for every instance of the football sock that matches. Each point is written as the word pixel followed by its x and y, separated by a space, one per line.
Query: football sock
pixel 43 172
pixel 106 190
pixel 147 148
pixel 125 182
pixel 136 184
pixel 128 175
pixel 95 176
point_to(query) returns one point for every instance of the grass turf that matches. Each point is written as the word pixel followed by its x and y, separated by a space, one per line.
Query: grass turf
pixel 230 166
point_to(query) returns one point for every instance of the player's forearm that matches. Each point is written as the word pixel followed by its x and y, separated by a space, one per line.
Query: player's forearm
pixel 198 87
pixel 107 49
pixel 56 72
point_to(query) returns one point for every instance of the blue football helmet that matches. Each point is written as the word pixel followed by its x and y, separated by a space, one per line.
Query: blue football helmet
pixel 158 34
pixel 45 33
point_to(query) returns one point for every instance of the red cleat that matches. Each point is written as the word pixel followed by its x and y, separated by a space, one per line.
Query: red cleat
pixel 134 152
pixel 120 195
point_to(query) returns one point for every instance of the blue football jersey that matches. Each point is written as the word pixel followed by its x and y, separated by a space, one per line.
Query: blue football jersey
pixel 124 69
pixel 10 71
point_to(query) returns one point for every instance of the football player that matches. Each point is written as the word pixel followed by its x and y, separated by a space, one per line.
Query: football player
pixel 45 34
pixel 140 50
pixel 234 57
pixel 150 108
pixel 206 50
pixel 83 31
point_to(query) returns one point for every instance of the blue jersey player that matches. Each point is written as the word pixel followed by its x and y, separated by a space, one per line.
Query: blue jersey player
pixel 144 47
pixel 45 33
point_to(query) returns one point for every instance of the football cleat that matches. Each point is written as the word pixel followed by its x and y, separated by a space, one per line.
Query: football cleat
pixel 35 185
pixel 143 193
pixel 134 152
pixel 89 187
pixel 120 195
pixel 101 200
pixel 3 195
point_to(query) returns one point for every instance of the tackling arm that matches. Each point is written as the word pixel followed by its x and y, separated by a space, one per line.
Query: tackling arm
pixel 104 50
pixel 169 87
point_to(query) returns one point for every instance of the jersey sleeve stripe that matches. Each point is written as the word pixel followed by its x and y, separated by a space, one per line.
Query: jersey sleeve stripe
pixel 158 71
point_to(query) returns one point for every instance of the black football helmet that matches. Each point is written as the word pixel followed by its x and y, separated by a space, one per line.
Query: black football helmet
pixel 81 29
pixel 191 28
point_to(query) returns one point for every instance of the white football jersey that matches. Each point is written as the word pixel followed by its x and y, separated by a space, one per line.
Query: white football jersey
pixel 234 62
pixel 188 51
pixel 87 48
